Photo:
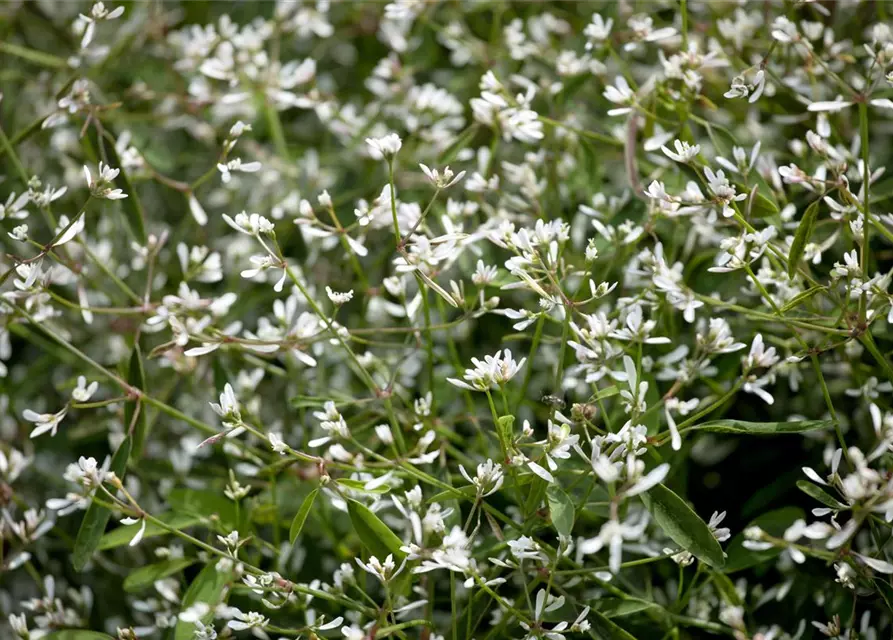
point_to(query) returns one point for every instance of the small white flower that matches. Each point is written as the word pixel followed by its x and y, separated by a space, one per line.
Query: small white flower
pixel 338 297
pixel 385 147
pixel 442 180
pixel 44 422
pixel 83 392
pixel 685 152
pixel 100 188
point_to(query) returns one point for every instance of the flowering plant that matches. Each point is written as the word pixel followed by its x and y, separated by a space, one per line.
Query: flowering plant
pixel 446 320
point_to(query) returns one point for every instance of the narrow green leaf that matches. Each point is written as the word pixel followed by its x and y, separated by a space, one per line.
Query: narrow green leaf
pixel 146 576
pixel 561 508
pixel 885 591
pixel 447 495
pixel 209 586
pixel 136 377
pixel 727 589
pixel 801 238
pixel 763 207
pixel 505 427
pixel 373 533
pixel 619 607
pixel 301 517
pixel 204 503
pixel 762 428
pixel 683 525
pixel 536 492
pixel 814 491
pixel 357 485
pixel 97 517
pixel 604 629
pixel 123 535
pixel 774 523
pixel 800 298
pixel 77 634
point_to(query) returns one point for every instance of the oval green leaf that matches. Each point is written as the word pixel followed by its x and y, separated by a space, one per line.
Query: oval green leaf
pixel 683 525
pixel 561 508
pixel 146 576
pixel 301 517
pixel 801 238
pixel 373 533
pixel 97 517
pixel 209 586
pixel 813 491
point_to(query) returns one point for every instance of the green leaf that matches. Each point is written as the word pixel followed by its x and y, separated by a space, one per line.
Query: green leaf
pixel 801 238
pixel 136 377
pixel 504 426
pixel 97 517
pixel 762 428
pixel 683 525
pixel 774 523
pixel 204 503
pixel 301 517
pixel 123 535
pixel 373 533
pixel 209 587
pixel 444 496
pixel 146 576
pixel 762 206
pixel 357 485
pixel 885 591
pixel 561 508
pixel 802 297
pixel 619 607
pixel 77 634
pixel 727 589
pixel 604 629
pixel 535 493
pixel 814 491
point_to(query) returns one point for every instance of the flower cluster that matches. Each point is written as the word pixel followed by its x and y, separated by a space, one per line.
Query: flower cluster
pixel 446 320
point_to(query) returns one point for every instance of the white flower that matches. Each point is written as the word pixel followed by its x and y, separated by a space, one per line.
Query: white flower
pixel 384 571
pixel 441 180
pixel 250 620
pixel 493 370
pixel 487 480
pixel 384 147
pixel 44 422
pixel 338 297
pixel 277 443
pixel 612 535
pixel 620 93
pixel 98 13
pixel 100 188
pixel 236 164
pixel 685 152
pixel 252 224
pixel 759 356
pixel 83 392
pixel 228 409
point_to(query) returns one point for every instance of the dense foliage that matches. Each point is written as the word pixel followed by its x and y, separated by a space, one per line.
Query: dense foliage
pixel 446 320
